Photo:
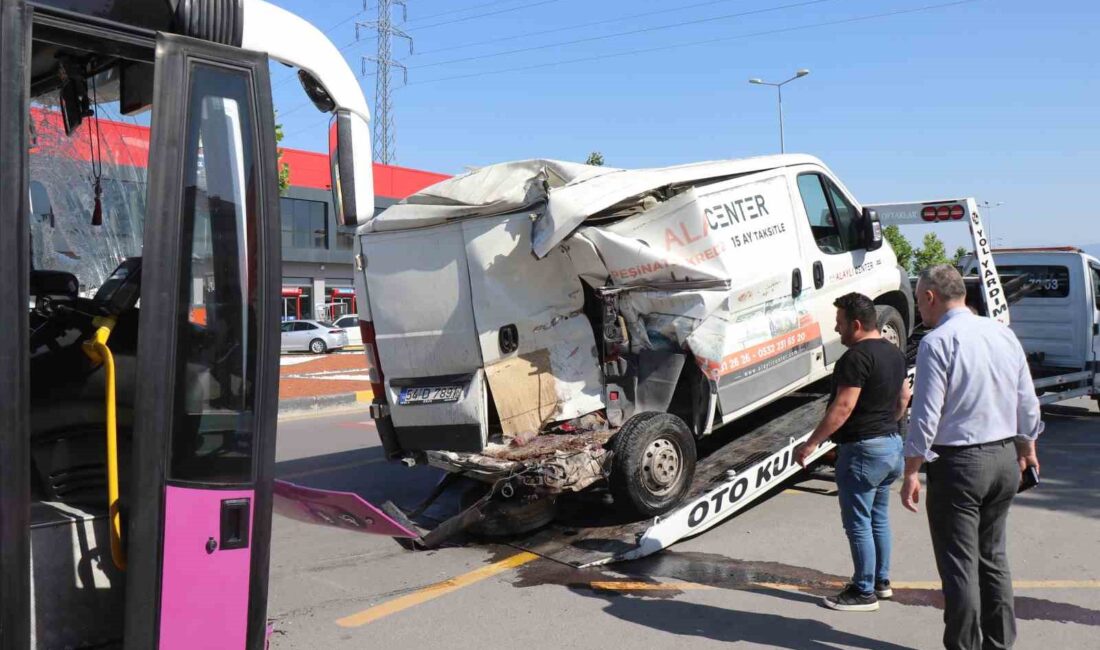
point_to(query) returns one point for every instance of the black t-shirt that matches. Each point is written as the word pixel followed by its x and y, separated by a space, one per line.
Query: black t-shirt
pixel 878 368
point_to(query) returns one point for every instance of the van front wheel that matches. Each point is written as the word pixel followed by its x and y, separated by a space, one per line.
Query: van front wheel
pixel 891 325
pixel 653 463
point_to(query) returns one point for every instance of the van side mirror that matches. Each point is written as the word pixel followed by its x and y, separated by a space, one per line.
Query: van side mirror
pixel 352 168
pixel 872 230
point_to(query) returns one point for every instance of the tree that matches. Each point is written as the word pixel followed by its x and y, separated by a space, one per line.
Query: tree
pixel 960 253
pixel 931 253
pixel 902 248
pixel 595 158
pixel 284 169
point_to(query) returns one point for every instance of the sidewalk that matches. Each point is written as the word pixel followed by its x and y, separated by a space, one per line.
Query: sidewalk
pixel 309 382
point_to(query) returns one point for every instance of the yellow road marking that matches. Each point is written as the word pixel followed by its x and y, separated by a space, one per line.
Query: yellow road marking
pixel 432 592
pixel 646 586
pixel 821 493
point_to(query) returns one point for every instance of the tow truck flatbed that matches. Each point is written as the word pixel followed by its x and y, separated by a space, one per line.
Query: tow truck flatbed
pixel 746 461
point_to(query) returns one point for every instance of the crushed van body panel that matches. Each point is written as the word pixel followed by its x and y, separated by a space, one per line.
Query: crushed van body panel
pixel 686 257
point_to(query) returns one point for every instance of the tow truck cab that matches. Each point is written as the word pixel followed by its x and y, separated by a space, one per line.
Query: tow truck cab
pixel 141 335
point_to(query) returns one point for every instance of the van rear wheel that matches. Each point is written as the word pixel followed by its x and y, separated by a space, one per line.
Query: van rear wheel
pixel 891 325
pixel 653 463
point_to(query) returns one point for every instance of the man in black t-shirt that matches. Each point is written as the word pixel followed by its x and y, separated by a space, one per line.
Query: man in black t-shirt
pixel 870 395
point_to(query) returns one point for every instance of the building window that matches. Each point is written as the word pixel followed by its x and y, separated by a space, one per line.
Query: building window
pixel 305 223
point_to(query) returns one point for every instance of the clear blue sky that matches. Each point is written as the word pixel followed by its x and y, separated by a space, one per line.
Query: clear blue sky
pixel 997 99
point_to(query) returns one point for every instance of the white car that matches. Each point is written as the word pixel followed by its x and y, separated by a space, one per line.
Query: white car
pixel 350 323
pixel 312 336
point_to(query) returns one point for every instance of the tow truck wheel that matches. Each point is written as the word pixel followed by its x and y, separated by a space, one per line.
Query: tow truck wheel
pixel 317 346
pixel 653 463
pixel 891 325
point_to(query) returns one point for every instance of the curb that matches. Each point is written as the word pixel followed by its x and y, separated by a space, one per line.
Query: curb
pixel 325 402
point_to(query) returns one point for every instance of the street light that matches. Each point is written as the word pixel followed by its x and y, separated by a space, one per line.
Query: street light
pixel 779 88
pixel 988 207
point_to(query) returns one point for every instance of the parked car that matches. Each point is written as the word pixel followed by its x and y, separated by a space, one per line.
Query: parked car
pixel 350 323
pixel 312 336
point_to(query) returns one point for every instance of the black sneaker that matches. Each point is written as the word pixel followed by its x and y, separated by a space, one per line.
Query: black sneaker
pixel 883 590
pixel 850 600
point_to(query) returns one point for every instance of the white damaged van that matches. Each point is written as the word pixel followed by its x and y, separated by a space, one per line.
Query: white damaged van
pixel 545 326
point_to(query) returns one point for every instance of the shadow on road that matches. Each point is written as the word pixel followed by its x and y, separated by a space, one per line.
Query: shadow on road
pixel 730 625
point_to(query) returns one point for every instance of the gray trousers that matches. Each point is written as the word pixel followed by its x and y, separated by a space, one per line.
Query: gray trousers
pixel 969 492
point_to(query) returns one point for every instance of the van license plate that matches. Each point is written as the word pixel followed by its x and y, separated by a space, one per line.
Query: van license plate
pixel 430 395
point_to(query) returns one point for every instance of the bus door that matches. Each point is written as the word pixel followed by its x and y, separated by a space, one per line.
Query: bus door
pixel 204 422
pixel 15 594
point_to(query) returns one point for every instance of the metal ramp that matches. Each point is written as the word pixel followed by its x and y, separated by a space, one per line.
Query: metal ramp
pixel 738 464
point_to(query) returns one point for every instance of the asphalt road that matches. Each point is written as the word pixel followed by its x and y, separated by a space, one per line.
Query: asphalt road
pixel 755 581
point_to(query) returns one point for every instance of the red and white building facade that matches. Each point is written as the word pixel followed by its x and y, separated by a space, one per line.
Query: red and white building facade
pixel 317 253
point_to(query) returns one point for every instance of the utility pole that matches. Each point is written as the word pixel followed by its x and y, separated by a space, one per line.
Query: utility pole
pixel 384 136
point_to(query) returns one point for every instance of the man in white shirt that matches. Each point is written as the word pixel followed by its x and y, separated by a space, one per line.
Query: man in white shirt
pixel 974 420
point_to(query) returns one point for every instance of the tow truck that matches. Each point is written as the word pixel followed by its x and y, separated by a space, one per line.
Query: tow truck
pixel 737 466
pixel 139 390
pixel 1056 317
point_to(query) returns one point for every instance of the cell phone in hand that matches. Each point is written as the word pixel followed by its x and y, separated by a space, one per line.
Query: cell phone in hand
pixel 1029 478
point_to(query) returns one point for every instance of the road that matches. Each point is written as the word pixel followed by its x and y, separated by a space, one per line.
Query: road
pixel 755 581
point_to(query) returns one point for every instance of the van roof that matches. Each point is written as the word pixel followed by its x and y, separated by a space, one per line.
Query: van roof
pixel 563 194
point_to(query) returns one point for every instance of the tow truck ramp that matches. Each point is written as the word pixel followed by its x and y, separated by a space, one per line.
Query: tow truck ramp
pixel 757 458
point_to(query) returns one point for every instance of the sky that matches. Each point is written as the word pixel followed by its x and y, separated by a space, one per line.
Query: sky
pixel 906 99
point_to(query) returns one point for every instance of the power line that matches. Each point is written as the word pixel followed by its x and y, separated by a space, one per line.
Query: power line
pixel 458 11
pixel 632 32
pixel 484 15
pixel 476 16
pixel 612 55
pixel 633 52
pixel 544 32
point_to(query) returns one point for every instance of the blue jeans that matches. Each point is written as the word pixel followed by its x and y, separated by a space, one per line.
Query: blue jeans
pixel 864 472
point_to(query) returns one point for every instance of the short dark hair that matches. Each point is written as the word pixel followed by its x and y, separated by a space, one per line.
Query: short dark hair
pixel 858 307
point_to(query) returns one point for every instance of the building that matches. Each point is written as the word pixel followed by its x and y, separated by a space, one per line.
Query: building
pixel 316 252
pixel 317 257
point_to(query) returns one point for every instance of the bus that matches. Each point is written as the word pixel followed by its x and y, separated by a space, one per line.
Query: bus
pixel 140 345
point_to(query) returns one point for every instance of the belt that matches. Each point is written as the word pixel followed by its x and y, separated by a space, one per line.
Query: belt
pixel 864 439
pixel 940 449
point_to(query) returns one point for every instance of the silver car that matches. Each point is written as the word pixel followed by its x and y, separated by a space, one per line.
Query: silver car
pixel 312 336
